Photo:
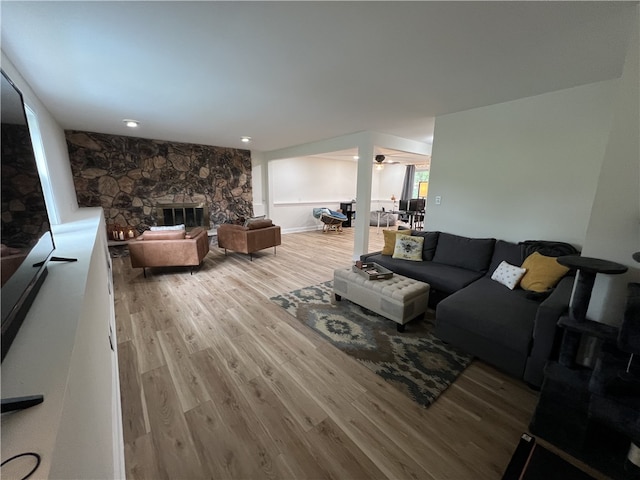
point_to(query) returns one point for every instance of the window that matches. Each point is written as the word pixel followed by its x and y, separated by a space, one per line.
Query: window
pixel 421 175
pixel 41 161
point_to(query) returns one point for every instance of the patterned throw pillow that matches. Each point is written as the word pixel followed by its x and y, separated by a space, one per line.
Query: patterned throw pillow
pixel 408 248
pixel 508 275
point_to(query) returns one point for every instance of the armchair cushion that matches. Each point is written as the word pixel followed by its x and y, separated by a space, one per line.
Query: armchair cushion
pixel 162 235
pixel 253 219
pixel 194 232
pixel 259 223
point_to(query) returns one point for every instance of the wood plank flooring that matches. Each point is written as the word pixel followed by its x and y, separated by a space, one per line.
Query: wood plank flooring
pixel 218 382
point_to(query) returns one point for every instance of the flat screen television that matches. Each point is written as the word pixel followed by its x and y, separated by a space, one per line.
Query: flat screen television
pixel 417 204
pixel 27 242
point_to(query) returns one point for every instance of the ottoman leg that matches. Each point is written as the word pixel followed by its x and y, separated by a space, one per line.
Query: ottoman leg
pixel 338 297
pixel 400 328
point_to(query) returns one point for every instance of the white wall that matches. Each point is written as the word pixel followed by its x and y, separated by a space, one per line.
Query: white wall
pixel 300 184
pixel 297 185
pixel 614 227
pixel 385 183
pixel 55 149
pixel 525 169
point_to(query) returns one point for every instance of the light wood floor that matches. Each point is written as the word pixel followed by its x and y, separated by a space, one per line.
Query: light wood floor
pixel 218 382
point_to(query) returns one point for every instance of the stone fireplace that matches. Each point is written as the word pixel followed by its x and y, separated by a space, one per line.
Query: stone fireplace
pixel 141 183
pixel 190 214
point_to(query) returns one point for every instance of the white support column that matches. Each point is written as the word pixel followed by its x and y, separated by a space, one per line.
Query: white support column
pixel 267 185
pixel 260 185
pixel 267 197
pixel 363 198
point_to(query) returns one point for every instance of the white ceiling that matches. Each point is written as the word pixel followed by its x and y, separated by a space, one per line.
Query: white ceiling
pixel 390 157
pixel 289 73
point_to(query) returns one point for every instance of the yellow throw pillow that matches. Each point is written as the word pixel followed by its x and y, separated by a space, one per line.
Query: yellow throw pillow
pixel 542 272
pixel 390 240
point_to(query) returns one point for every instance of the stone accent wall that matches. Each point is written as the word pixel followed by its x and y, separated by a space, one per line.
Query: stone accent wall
pixel 24 212
pixel 128 177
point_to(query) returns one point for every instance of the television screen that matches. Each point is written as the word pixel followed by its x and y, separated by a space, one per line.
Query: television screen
pixel 417 204
pixel 26 242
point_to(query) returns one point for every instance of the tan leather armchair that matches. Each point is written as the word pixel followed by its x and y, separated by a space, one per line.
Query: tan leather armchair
pixel 257 235
pixel 169 248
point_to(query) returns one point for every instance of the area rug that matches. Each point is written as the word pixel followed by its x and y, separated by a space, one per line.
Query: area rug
pixel 415 361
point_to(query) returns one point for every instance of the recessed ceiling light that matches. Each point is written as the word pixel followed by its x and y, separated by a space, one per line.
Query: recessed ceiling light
pixel 245 139
pixel 131 123
pixel 356 157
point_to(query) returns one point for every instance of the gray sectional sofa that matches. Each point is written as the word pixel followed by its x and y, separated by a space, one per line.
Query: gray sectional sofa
pixel 515 330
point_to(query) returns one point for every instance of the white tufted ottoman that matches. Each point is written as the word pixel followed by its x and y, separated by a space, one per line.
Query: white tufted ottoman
pixel 398 298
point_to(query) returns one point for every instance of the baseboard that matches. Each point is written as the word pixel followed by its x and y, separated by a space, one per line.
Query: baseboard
pixel 311 228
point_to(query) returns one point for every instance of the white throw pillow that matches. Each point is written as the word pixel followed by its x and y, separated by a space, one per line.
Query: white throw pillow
pixel 508 275
pixel 167 227
pixel 408 248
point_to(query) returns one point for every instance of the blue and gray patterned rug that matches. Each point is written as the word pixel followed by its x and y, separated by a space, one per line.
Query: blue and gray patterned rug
pixel 416 362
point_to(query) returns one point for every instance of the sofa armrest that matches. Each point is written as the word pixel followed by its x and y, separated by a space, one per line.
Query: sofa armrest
pixel 545 330
pixel 202 243
pixel 365 256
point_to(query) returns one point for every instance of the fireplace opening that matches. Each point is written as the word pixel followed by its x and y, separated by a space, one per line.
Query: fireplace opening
pixel 190 214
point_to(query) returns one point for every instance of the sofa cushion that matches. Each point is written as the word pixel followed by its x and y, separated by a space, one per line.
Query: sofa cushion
pixel 507 319
pixel 470 253
pixel 506 252
pixel 162 235
pixel 508 275
pixel 443 278
pixel 543 273
pixel 429 245
pixel 390 240
pixel 408 248
pixel 260 223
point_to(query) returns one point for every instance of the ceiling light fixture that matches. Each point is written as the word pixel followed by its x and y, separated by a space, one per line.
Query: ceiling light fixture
pixel 379 159
pixel 131 123
pixel 356 157
pixel 245 139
